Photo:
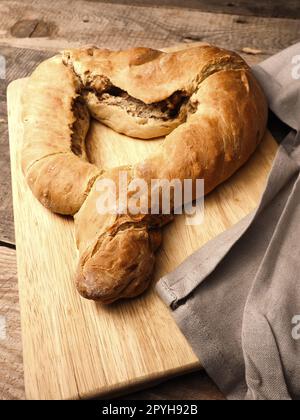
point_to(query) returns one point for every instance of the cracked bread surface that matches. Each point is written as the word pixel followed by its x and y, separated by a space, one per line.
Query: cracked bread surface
pixel 113 93
pixel 204 100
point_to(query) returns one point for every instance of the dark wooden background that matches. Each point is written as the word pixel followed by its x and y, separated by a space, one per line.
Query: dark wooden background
pixel 268 8
pixel 31 31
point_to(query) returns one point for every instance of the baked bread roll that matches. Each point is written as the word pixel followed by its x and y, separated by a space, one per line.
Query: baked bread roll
pixel 206 102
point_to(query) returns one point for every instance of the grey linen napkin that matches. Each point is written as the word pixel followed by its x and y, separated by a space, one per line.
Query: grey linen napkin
pixel 237 299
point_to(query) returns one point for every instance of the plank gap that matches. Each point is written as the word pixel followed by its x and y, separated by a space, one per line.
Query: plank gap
pixel 7 245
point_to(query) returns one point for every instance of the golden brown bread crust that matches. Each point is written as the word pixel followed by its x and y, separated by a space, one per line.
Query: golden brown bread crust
pixel 117 252
pixel 58 178
pixel 150 75
pixel 62 182
pixel 205 100
pixel 219 137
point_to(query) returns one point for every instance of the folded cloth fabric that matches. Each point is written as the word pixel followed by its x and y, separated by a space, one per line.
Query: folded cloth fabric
pixel 237 299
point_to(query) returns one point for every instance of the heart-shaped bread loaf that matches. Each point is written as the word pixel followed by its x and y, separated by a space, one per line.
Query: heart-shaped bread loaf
pixel 206 102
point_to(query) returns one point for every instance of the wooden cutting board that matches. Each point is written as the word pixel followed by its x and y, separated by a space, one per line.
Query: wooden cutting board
pixel 74 348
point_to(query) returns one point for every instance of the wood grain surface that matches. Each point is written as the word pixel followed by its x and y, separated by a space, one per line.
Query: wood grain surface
pixel 121 26
pixel 73 348
pixel 193 386
pixel 269 8
pixel 11 362
pixel 19 63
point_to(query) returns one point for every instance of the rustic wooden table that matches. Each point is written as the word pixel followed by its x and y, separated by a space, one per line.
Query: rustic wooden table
pixel 31 31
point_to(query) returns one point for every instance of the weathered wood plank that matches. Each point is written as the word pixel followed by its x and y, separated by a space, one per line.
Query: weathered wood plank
pixel 120 26
pixel 264 8
pixel 268 8
pixel 6 213
pixel 19 63
pixel 11 363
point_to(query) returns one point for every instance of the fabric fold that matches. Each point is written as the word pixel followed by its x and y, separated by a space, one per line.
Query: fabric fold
pixel 235 298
